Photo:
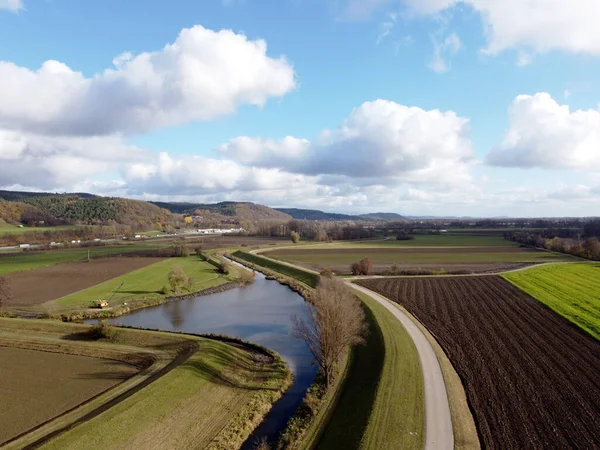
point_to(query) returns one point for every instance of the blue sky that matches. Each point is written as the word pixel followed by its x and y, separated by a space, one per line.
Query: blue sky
pixel 327 63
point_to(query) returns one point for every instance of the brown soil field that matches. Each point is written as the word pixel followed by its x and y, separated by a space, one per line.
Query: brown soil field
pixel 434 269
pixel 37 286
pixel 401 250
pixel 38 386
pixel 531 377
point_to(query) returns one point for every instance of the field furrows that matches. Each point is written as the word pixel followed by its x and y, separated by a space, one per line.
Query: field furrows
pixel 531 377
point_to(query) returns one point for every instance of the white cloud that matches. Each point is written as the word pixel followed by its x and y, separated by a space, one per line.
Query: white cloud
pixel 538 25
pixel 547 135
pixel 202 75
pixel 381 142
pixel 45 162
pixel 524 59
pixel 543 26
pixel 386 27
pixel 11 5
pixel 449 47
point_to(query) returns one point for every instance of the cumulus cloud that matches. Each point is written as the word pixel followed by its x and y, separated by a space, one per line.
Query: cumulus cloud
pixel 45 162
pixel 11 5
pixel 202 75
pixel 380 140
pixel 547 135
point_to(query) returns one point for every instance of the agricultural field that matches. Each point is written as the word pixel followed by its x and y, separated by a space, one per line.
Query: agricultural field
pixel 210 392
pixel 572 290
pixel 32 287
pixel 418 260
pixel 142 283
pixel 29 399
pixel 7 228
pixel 529 375
pixel 18 261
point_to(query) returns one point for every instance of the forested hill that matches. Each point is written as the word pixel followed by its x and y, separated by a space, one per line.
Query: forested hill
pixel 242 211
pixel 54 209
pixel 314 214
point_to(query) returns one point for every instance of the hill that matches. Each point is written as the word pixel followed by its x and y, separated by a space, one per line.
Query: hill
pixel 53 209
pixel 315 214
pixel 240 211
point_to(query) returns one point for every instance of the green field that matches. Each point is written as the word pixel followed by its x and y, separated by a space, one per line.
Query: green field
pixel 214 399
pixel 6 228
pixel 572 290
pixel 305 277
pixel 145 283
pixel 33 260
pixel 382 402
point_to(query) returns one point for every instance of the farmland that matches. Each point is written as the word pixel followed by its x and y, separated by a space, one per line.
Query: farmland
pixel 15 262
pixel 6 228
pixel 212 392
pixel 452 259
pixel 33 287
pixel 529 376
pixel 572 290
pixel 145 283
pixel 68 381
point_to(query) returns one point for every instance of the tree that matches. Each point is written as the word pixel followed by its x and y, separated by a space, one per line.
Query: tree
pixel 5 293
pixel 363 267
pixel 295 237
pixel 592 248
pixel 179 249
pixel 179 281
pixel 335 322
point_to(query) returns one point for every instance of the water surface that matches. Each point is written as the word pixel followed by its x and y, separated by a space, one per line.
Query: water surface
pixel 259 312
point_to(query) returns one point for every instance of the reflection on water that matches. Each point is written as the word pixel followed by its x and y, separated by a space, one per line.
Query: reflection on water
pixel 260 312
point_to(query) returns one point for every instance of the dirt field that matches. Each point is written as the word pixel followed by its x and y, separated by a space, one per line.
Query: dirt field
pixel 417 261
pixel 37 286
pixel 37 386
pixel 530 376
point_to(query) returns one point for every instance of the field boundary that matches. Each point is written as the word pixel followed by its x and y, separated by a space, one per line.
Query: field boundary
pixel 438 419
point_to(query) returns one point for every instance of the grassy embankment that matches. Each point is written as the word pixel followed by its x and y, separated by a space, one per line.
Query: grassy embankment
pixel 571 290
pixel 144 284
pixel 35 259
pixel 214 399
pixel 379 403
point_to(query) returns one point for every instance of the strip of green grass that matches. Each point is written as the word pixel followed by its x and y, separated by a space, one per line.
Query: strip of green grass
pixel 382 403
pixel 145 282
pixel 34 260
pixel 572 290
pixel 305 277
pixel 440 240
pixel 6 228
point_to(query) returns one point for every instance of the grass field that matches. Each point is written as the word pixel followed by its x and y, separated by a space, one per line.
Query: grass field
pixel 572 290
pixel 439 240
pixel 146 283
pixel 28 399
pixel 32 260
pixel 6 228
pixel 212 400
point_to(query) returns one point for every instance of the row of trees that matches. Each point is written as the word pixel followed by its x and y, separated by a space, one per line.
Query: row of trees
pixel 588 248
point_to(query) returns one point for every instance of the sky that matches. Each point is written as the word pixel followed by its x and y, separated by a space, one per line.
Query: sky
pixel 420 107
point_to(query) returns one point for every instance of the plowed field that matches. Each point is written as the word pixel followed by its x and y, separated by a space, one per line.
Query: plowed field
pixel 37 286
pixel 531 378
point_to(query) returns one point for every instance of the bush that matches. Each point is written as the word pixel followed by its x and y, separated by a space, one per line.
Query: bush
pixel 363 267
pixel 327 273
pixel 179 281
pixel 180 250
pixel 224 268
pixel 295 237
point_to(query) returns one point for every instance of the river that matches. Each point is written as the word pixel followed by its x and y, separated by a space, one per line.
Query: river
pixel 259 312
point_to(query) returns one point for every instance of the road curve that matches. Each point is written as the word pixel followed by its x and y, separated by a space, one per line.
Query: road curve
pixel 438 422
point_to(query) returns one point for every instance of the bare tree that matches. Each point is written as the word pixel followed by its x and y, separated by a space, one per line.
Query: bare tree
pixel 5 293
pixel 335 321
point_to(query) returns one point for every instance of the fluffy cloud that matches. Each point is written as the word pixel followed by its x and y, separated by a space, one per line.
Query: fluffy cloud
pixel 381 142
pixel 11 5
pixel 545 134
pixel 44 162
pixel 202 75
pixel 542 26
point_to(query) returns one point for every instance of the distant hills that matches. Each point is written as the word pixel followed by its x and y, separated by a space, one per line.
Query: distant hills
pixel 82 208
pixel 314 214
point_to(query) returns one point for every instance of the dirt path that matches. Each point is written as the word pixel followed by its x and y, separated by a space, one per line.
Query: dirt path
pixel 438 423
